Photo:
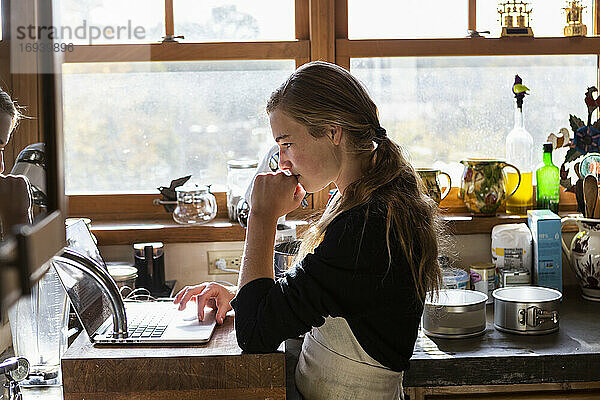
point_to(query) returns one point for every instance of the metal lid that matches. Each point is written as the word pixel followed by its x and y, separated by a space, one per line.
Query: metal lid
pixel 526 294
pixel 141 246
pixel 456 297
pixel 482 265
pixel 193 188
pixel 122 272
pixel 242 164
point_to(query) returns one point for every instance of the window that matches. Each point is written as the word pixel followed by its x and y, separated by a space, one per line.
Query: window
pixel 442 110
pixel 148 112
pixel 158 106
pixel 234 20
pixel 79 18
pixel 547 19
pixel 149 123
pixel 384 19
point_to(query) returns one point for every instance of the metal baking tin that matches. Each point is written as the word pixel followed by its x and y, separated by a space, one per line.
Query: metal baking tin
pixel 455 314
pixel 526 310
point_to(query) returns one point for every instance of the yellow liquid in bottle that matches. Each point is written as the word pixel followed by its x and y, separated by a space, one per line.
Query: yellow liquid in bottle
pixel 522 200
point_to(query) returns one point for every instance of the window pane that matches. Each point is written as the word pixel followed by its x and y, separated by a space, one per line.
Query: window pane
pixel 234 20
pixel 137 126
pixel 111 21
pixel 384 19
pixel 547 18
pixel 442 110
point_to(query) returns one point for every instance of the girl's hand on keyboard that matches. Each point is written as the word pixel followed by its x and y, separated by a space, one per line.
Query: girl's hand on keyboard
pixel 209 294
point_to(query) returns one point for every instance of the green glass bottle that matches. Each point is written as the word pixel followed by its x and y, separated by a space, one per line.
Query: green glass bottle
pixel 548 182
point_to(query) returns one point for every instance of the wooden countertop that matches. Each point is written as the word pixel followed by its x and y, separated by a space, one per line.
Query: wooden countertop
pixel 570 355
pixel 216 370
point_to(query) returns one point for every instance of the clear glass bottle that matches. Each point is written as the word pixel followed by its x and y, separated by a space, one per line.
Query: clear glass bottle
pixel 519 152
pixel 548 182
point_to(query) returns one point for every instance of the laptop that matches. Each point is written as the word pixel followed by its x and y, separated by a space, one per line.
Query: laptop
pixel 148 322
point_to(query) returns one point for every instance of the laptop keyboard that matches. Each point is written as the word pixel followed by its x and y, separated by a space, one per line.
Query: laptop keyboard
pixel 149 325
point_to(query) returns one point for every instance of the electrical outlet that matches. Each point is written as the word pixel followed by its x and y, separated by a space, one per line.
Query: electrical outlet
pixel 224 259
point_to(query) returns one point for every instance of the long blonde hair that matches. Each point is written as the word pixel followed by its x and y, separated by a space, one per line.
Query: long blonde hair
pixel 319 95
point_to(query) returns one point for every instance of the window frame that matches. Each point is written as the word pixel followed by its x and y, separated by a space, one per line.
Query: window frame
pixel 321 30
pixel 138 206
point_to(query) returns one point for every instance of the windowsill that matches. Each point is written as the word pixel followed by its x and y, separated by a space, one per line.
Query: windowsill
pixel 221 230
pixel 166 231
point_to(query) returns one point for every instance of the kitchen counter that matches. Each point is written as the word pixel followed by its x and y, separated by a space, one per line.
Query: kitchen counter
pixel 570 358
pixel 570 355
pixel 215 370
pixel 218 369
pixel 504 358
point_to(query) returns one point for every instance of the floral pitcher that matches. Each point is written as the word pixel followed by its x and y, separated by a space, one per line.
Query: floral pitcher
pixel 482 187
pixel 430 178
pixel 584 255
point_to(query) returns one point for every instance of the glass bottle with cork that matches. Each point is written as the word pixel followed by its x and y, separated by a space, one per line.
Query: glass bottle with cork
pixel 548 182
pixel 519 152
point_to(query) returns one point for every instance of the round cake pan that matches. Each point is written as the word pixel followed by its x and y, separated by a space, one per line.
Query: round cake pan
pixel 455 314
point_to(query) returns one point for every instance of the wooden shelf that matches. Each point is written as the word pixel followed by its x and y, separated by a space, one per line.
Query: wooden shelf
pixel 466 224
pixel 166 231
pixel 221 230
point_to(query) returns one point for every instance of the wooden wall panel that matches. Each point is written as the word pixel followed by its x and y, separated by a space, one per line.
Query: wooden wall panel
pixel 322 31
pixel 24 86
pixel 472 15
pixel 302 20
pixel 341 29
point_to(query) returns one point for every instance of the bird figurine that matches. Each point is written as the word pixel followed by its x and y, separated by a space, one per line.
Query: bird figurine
pixel 519 90
pixel 560 139
pixel 590 102
pixel 518 86
pixel 169 193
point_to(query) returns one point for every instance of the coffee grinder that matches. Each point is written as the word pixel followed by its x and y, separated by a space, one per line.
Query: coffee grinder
pixel 150 263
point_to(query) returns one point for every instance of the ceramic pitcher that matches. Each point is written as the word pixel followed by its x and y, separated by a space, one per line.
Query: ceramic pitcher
pixel 584 255
pixel 482 186
pixel 430 178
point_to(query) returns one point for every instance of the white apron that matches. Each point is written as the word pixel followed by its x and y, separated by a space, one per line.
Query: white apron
pixel 333 365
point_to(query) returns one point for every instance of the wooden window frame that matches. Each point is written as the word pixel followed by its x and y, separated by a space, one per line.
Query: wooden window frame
pixel 321 30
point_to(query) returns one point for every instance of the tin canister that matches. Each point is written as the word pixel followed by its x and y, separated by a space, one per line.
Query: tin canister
pixel 483 279
pixel 455 278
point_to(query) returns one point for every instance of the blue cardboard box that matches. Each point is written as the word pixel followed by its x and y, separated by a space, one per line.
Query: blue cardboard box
pixel 547 257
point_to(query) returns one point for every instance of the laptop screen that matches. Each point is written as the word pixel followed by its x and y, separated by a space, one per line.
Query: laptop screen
pixel 90 303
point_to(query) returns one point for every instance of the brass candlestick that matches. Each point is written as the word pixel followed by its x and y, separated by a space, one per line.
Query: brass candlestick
pixel 575 25
pixel 511 11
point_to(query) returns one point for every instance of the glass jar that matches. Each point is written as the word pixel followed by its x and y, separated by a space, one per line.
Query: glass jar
pixel 195 204
pixel 239 177
pixel 39 324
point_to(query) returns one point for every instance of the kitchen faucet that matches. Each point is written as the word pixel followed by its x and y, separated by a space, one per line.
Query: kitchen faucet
pixel 103 279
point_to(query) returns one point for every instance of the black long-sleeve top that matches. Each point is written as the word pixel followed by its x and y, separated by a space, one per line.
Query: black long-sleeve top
pixel 347 275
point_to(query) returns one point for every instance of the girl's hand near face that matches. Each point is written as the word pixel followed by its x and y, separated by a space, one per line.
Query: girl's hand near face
pixel 275 194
